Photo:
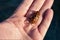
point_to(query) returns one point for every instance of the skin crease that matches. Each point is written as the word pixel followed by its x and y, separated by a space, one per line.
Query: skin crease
pixel 15 28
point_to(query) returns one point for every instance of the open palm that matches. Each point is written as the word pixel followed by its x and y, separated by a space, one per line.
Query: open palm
pixel 18 28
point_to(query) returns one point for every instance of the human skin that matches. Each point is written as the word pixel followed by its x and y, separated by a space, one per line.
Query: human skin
pixel 18 28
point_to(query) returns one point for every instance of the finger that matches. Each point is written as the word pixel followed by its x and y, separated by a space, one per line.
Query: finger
pixel 35 35
pixel 22 9
pixel 48 4
pixel 43 27
pixel 37 4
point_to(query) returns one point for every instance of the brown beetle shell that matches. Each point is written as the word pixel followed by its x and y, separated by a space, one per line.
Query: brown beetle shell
pixel 34 17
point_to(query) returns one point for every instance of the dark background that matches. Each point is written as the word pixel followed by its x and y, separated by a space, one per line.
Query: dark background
pixel 7 7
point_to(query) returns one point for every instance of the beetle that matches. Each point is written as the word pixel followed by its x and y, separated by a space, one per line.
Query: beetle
pixel 33 18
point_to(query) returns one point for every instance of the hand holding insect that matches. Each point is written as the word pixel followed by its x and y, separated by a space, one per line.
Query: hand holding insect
pixel 16 26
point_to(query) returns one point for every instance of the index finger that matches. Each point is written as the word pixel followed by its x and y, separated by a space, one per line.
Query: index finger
pixel 23 8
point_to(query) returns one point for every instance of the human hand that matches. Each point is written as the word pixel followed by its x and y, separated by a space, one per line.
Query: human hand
pixel 18 28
